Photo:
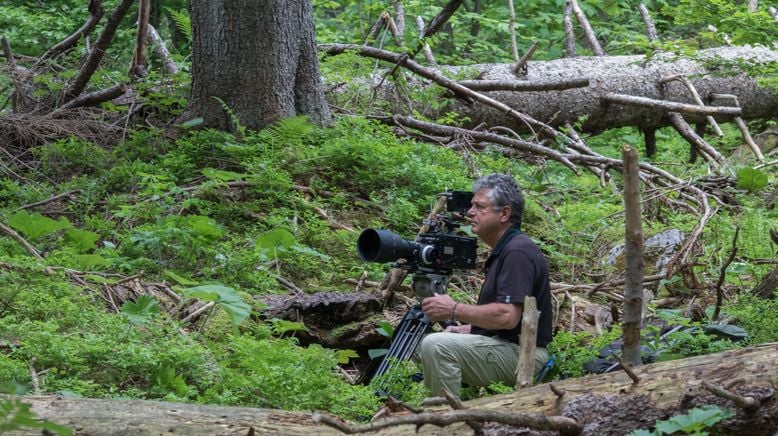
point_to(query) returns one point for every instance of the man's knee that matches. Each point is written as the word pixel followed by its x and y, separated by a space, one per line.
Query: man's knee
pixel 436 346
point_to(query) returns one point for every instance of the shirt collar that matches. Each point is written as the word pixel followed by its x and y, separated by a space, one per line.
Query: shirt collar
pixel 507 236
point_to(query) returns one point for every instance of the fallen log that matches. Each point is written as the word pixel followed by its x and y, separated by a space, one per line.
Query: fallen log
pixel 608 404
pixel 636 76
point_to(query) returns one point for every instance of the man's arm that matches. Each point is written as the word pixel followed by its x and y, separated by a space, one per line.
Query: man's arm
pixel 492 316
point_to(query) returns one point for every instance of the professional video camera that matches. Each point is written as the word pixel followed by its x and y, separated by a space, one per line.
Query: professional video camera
pixel 431 259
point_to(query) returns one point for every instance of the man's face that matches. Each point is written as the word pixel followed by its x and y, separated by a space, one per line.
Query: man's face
pixel 486 222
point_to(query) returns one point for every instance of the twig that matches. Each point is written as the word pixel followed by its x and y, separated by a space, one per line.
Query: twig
pixel 742 126
pixel 522 62
pixel 569 32
pixel 288 284
pixel 95 8
pixel 633 100
pixel 682 127
pixel 741 401
pixel 198 312
pixel 456 404
pixel 18 238
pixel 625 366
pixel 98 51
pixel 587 28
pixel 524 85
pixel 161 50
pixel 538 422
pixel 68 194
pixel 723 275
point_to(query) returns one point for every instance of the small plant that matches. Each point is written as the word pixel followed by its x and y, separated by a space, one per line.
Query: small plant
pixel 694 422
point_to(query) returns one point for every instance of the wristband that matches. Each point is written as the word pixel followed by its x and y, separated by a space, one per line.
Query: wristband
pixel 454 313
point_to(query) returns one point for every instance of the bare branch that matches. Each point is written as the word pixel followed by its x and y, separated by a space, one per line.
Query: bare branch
pixel 161 50
pixel 512 30
pixel 93 98
pixel 723 275
pixel 7 52
pixel 569 32
pixel 98 51
pixel 587 28
pixel 521 63
pixel 742 126
pixel 695 139
pixel 426 47
pixel 672 106
pixel 650 28
pixel 744 402
pixel 95 14
pixel 138 63
pixel 524 85
pixel 23 242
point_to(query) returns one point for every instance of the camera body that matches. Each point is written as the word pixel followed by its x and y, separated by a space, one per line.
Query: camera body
pixel 438 251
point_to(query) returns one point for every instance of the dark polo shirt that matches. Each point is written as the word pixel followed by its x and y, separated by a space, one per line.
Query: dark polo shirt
pixel 516 269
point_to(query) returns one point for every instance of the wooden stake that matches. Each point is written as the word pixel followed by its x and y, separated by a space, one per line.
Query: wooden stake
pixel 633 285
pixel 527 343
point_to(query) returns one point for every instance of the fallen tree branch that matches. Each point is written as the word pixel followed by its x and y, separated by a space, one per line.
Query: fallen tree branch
pixel 95 8
pixel 741 401
pixel 723 275
pixel 588 31
pixel 649 23
pixel 522 62
pixel 697 141
pixel 68 195
pixel 98 51
pixel 92 98
pixel 538 422
pixel 524 86
pixel 161 50
pixel 672 106
pixel 23 242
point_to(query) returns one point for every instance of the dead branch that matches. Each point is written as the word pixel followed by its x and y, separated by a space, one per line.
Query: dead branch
pixel 456 404
pixel 160 49
pixel 695 96
pixel 538 422
pixel 425 47
pixel 650 28
pixel 742 126
pixel 69 195
pixel 512 30
pixel 569 32
pixel 138 63
pixel 95 8
pixel 23 242
pixel 522 62
pixel 697 141
pixel 633 248
pixel 7 52
pixel 723 275
pixel 626 367
pixel 198 312
pixel 92 98
pixel 98 51
pixel 741 401
pixel 399 18
pixel 437 23
pixel 439 129
pixel 527 343
pixel 524 85
pixel 672 106
pixel 587 28
pixel 442 80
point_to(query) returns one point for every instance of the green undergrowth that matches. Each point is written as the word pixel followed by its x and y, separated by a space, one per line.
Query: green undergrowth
pixel 223 217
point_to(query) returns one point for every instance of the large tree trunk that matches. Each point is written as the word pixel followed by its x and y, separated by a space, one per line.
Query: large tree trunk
pixel 628 75
pixel 255 59
pixel 608 404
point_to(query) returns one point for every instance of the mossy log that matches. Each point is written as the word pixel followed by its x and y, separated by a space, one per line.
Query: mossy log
pixel 601 404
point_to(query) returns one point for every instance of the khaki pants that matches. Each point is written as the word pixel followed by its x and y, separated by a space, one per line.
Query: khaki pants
pixel 449 359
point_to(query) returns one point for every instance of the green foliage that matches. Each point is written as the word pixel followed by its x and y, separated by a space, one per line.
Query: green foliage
pixel 280 374
pixel 142 310
pixel 16 415
pixel 225 297
pixel 572 350
pixel 751 179
pixel 694 422
pixel 35 225
pixel 756 316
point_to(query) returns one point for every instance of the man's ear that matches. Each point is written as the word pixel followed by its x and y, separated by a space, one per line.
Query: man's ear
pixel 505 215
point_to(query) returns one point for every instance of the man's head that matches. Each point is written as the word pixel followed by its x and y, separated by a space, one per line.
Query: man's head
pixel 497 205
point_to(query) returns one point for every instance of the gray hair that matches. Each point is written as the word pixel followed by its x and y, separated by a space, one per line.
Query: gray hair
pixel 503 191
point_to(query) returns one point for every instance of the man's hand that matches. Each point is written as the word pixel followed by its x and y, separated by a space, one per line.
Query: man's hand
pixel 438 307
pixel 463 329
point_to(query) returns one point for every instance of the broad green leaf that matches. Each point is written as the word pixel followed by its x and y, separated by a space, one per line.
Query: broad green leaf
pixel 345 355
pixel 281 326
pixel 205 227
pixel 274 240
pixel 142 310
pixel 180 280
pixel 224 176
pixel 194 122
pixel 227 298
pixel 81 240
pixel 385 329
pixel 35 225
pixel 304 249
pixel 89 261
pixel 695 420
pixel 94 278
pixel 751 179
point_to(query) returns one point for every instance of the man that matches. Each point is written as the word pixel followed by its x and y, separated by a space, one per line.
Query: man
pixel 484 349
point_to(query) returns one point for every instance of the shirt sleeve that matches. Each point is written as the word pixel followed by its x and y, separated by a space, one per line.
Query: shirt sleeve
pixel 516 277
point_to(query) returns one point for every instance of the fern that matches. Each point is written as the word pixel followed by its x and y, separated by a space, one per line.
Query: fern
pixel 183 22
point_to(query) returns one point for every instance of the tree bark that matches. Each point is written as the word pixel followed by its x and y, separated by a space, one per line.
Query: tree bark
pixel 633 266
pixel 254 63
pixel 607 404
pixel 628 75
